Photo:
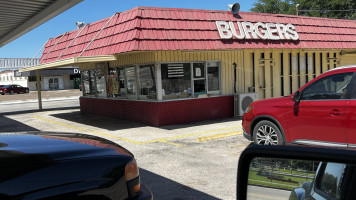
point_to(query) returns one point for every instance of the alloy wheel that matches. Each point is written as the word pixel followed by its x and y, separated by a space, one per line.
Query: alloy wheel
pixel 266 135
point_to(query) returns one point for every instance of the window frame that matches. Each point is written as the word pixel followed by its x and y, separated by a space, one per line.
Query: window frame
pixel 219 66
pixel 318 180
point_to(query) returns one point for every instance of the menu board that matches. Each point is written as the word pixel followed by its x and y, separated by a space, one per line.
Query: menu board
pixel 175 70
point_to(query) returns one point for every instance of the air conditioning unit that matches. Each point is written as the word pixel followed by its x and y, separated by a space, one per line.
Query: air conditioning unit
pixel 242 101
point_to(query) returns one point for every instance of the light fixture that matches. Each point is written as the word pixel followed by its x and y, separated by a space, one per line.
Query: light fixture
pixel 79 24
pixel 235 8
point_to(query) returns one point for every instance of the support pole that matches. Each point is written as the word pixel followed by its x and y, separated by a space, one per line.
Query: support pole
pixel 38 84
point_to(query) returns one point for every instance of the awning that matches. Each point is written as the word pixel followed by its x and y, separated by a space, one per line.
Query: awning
pixel 20 16
pixel 70 62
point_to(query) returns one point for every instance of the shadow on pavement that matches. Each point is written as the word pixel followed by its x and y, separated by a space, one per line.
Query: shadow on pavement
pixel 107 123
pixel 114 124
pixel 9 125
pixel 166 189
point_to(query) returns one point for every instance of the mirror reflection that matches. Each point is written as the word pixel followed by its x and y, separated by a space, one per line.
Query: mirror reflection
pixel 276 178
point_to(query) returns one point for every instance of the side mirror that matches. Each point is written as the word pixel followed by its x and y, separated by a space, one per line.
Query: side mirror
pixel 296 97
pixel 290 170
pixel 297 194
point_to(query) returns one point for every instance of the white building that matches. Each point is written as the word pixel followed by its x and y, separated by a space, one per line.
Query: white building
pixel 8 77
pixel 51 79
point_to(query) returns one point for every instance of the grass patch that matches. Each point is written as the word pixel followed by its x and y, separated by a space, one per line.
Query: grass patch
pixel 264 181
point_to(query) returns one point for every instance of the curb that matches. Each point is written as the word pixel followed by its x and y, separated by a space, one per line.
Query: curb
pixel 35 100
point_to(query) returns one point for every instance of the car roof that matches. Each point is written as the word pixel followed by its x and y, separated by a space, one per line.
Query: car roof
pixel 343 67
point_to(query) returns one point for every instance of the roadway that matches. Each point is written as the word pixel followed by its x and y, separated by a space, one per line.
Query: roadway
pixel 264 193
pixel 33 106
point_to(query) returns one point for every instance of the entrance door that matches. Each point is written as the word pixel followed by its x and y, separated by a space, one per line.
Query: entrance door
pixel 53 83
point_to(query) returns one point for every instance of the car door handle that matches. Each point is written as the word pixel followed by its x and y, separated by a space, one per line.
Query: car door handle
pixel 335 112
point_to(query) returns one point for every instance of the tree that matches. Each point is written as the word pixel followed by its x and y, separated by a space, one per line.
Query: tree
pixel 339 9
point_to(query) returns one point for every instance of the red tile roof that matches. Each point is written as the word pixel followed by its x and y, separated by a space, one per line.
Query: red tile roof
pixel 146 28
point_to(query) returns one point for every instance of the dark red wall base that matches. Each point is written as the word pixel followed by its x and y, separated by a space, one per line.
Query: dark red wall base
pixel 160 113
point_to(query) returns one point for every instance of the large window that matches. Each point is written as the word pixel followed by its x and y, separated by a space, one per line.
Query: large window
pixel 183 80
pixel 130 82
pixel 94 82
pixel 147 83
pixel 176 80
pixel 89 85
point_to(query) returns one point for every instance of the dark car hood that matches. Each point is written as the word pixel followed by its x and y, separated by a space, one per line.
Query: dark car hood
pixel 57 146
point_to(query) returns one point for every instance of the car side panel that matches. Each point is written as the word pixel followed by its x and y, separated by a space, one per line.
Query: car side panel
pixel 279 112
pixel 314 120
pixel 351 122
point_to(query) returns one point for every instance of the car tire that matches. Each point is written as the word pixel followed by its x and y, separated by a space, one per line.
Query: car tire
pixel 26 91
pixel 11 92
pixel 267 133
pixel 2 93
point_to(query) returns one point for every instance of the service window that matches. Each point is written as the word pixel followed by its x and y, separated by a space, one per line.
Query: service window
pixel 176 80
pixel 330 87
pixel 329 182
pixel 213 77
pixel 199 78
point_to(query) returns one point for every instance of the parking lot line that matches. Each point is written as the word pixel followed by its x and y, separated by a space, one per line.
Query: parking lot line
pixel 218 136
pixel 172 143
pixel 89 131
pixel 192 134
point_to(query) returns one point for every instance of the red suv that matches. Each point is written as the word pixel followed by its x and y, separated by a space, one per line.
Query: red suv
pixel 322 112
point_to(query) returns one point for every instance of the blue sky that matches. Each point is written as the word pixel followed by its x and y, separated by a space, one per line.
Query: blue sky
pixel 93 10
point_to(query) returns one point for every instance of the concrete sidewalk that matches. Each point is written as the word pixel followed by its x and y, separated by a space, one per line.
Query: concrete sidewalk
pixel 46 96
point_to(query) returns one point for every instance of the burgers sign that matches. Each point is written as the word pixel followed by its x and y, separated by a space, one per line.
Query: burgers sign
pixel 259 30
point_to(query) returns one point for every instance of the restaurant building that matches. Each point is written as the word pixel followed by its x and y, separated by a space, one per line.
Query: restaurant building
pixel 162 66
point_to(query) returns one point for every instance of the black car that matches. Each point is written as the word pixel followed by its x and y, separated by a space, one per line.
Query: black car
pixel 67 166
pixel 11 89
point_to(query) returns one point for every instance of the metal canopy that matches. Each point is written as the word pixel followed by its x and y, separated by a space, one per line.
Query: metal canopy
pixel 18 17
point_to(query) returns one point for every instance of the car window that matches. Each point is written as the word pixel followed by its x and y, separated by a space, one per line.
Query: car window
pixel 329 87
pixel 330 181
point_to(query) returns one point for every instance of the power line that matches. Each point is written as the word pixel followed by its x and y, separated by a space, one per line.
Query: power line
pixel 327 10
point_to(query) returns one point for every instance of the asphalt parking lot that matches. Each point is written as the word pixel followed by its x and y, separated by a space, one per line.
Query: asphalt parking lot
pixel 191 161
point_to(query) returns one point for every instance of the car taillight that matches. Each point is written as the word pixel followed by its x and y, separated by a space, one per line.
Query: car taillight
pixel 132 178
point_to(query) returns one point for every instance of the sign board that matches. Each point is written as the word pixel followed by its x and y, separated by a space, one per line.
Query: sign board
pixel 175 70
pixel 259 30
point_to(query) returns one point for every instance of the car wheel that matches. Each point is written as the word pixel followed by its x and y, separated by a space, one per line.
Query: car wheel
pixel 267 133
pixel 26 91
pixel 2 93
pixel 11 92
